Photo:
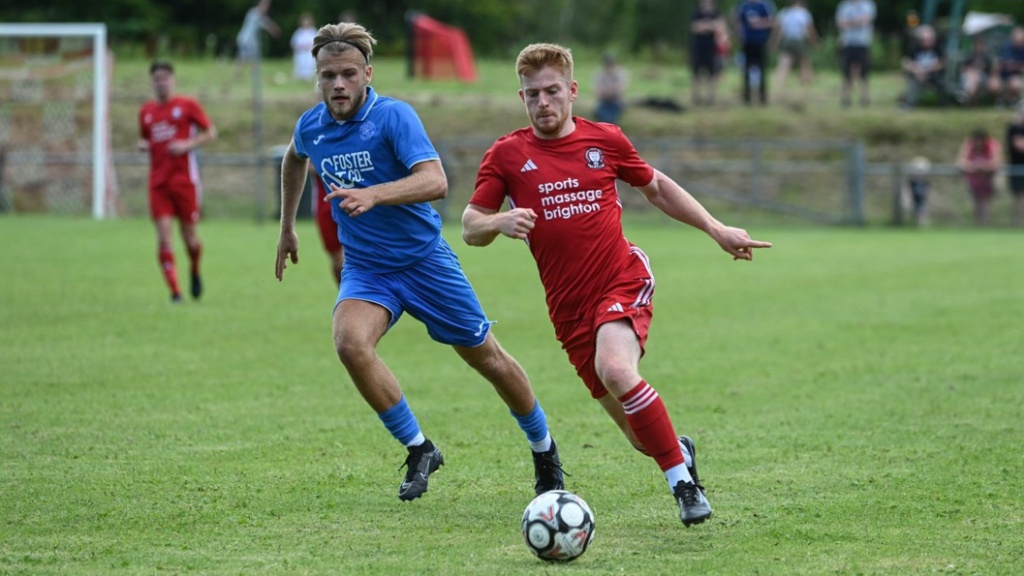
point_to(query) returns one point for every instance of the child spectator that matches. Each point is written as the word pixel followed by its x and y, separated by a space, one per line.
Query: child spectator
pixel 914 195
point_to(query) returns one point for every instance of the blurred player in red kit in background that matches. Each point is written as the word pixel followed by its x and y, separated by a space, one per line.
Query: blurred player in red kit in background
pixel 171 127
pixel 326 225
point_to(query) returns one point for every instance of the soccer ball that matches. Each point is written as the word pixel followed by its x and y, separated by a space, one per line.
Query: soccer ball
pixel 558 526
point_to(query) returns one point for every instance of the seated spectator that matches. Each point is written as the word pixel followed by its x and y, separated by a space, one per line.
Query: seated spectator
pixel 610 87
pixel 925 67
pixel 977 80
pixel 1010 66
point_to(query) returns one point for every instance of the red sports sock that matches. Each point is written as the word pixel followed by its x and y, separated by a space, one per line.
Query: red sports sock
pixel 170 274
pixel 649 420
pixel 193 254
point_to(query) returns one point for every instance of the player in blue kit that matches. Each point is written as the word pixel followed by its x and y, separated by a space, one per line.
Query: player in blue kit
pixel 381 172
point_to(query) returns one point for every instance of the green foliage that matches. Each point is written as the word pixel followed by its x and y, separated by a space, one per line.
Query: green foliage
pixel 855 397
pixel 495 27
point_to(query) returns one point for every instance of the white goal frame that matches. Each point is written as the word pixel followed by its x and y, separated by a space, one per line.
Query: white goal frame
pixel 98 33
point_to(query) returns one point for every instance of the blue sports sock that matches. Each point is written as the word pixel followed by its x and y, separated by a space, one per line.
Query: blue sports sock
pixel 535 424
pixel 400 421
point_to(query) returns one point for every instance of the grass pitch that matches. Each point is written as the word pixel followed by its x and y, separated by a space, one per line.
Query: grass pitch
pixel 855 396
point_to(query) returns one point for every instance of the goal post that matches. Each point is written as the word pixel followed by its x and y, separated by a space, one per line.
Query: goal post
pixel 20 71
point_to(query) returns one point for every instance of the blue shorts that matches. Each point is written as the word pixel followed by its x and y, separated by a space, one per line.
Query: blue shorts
pixel 434 291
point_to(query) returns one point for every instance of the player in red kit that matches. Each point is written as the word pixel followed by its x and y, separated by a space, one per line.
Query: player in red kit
pixel 171 127
pixel 326 225
pixel 559 178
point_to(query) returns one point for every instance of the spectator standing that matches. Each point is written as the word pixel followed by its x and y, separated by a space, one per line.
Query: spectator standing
pixel 707 33
pixel 924 67
pixel 793 36
pixel 610 84
pixel 979 158
pixel 1015 156
pixel 171 128
pixel 1010 68
pixel 303 63
pixel 856 22
pixel 248 39
pixel 754 22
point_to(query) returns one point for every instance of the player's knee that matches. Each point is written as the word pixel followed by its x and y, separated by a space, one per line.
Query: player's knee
pixel 489 358
pixel 617 376
pixel 351 351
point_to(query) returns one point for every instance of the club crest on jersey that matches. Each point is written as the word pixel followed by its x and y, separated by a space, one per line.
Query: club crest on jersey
pixel 176 112
pixel 367 130
pixel 595 158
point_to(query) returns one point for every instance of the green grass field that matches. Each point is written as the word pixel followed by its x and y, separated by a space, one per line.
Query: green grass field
pixel 855 397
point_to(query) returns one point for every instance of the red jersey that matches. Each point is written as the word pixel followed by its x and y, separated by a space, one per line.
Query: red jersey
pixel 578 241
pixel 982 184
pixel 162 122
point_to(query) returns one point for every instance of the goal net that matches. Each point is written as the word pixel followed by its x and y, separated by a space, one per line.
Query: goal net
pixel 54 131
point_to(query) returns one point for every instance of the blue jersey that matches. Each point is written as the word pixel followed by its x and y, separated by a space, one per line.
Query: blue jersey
pixel 381 143
pixel 749 10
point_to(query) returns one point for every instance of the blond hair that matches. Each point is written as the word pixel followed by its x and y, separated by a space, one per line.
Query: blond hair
pixel 536 56
pixel 336 38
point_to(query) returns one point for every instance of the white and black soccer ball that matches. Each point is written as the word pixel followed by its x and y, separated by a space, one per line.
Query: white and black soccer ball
pixel 558 526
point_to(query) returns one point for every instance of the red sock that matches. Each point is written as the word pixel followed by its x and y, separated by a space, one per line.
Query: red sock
pixel 649 420
pixel 193 254
pixel 170 274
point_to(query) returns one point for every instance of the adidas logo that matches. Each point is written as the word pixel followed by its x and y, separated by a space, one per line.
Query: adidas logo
pixel 528 166
pixel 615 307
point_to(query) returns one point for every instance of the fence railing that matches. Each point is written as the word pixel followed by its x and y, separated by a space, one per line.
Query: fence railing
pixel 821 181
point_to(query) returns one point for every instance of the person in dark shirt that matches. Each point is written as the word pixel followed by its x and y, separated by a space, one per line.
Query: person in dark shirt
pixel 754 20
pixel 1015 160
pixel 977 80
pixel 924 67
pixel 1010 67
pixel 707 34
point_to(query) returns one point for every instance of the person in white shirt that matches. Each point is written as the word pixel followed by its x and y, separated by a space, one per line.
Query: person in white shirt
pixel 303 63
pixel 856 22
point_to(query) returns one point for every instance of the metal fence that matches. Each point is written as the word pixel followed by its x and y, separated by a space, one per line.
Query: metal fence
pixel 821 181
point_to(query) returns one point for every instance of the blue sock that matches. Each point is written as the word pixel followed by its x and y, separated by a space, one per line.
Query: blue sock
pixel 400 421
pixel 535 424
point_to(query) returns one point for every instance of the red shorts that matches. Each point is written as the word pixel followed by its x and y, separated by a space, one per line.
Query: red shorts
pixel 628 298
pixel 181 200
pixel 324 221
